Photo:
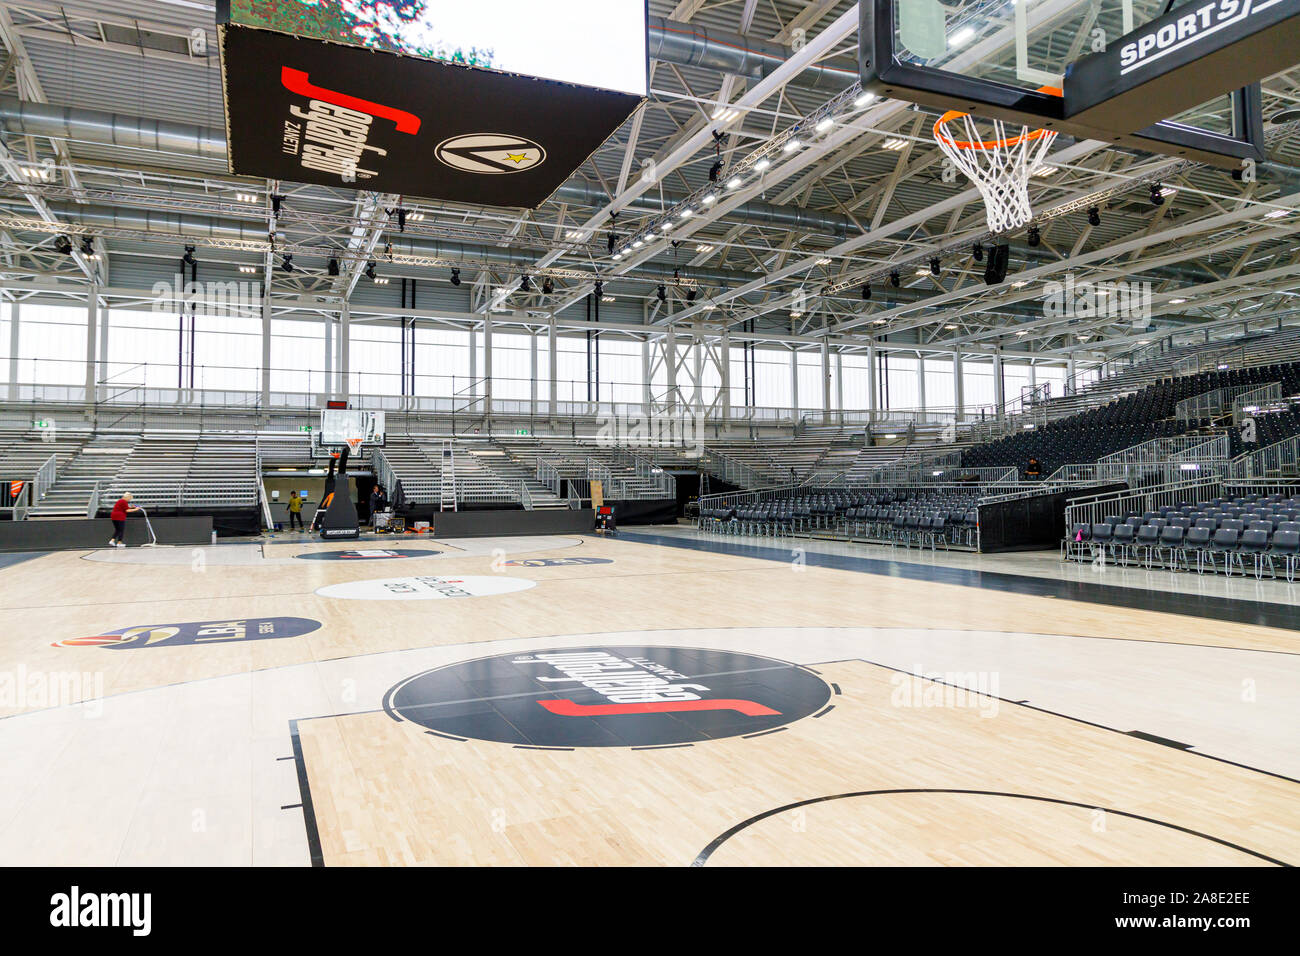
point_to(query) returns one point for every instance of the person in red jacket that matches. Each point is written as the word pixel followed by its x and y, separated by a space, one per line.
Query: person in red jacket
pixel 119 513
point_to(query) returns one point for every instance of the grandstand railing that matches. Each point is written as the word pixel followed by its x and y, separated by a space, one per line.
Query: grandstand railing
pixel 1093 509
pixel 92 506
pixel 1249 403
pixel 1280 460
pixel 548 475
pixel 1211 404
pixel 731 470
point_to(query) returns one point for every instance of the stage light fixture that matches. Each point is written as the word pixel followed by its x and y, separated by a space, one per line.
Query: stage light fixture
pixel 1033 236
pixel 332 267
pixel 455 277
pixel 894 279
pixel 866 292
pixel 1157 195
pixel 662 294
pixel 88 247
pixel 525 284
pixel 1094 216
pixel 370 271
pixel 977 252
pixel 548 286
pixel 715 170
pixel 935 269
pixel 286 264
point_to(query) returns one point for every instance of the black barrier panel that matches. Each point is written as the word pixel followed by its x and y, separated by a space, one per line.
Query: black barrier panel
pixel 78 534
pixel 317 112
pixel 1030 524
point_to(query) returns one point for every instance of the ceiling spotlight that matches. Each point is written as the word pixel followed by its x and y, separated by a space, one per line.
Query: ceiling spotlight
pixel 332 267
pixel 455 277
pixel 188 258
pixel 1289 115
pixel 704 247
pixel 286 264
pixel 1094 216
pixel 548 286
pixel 608 298
pixel 824 261
pixel 715 170
pixel 380 281
pixel 977 252
pixel 415 216
pixel 525 284
pixel 762 165
pixel 864 99
pixel 866 292
pixel 246 197
pixel 248 270
pixel 686 213
pixel 734 183
pixel 1033 236
pixel 935 270
pixel 370 271
pixel 1177 301
pixel 894 142
pixel 666 227
pixel 638 243
pixel 796 314
pixel 824 124
pixel 709 199
pixel 1157 195
pixel 791 145
pixel 894 278
pixel 661 294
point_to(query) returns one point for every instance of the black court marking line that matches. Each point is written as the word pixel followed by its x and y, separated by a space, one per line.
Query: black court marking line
pixel 709 850
pixel 825 711
pixel 1162 741
pixel 836 688
pixel 663 747
pixel 1236 610
pixel 534 747
pixel 1077 720
pixel 434 733
pixel 292 806
pixel 308 809
pixel 764 733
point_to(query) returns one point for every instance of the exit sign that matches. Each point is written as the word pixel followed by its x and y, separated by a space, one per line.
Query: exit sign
pixel 305 428
pixel 42 424
pixel 522 431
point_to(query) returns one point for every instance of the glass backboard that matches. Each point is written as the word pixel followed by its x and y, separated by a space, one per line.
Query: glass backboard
pixel 338 426
pixel 1011 59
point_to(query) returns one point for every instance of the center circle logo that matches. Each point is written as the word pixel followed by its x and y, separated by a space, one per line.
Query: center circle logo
pixel 490 154
pixel 374 554
pixel 609 697
pixel 425 588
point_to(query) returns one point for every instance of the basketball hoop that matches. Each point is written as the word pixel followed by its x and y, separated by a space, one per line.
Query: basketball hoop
pixel 1001 166
pixel 354 446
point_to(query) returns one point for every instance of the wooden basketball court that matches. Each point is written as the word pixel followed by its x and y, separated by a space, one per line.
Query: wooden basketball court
pixel 586 701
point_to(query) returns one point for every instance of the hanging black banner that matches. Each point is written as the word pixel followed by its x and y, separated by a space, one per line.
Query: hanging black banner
pixel 317 112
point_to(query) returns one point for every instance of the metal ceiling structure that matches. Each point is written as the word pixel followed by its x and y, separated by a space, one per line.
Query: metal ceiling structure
pixel 112 128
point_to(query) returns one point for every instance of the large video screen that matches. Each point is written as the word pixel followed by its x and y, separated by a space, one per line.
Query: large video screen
pixel 595 43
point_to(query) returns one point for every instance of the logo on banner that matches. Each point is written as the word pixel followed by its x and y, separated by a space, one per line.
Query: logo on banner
pixel 367 555
pixel 556 562
pixel 331 135
pixel 425 588
pixel 198 632
pixel 610 697
pixel 490 154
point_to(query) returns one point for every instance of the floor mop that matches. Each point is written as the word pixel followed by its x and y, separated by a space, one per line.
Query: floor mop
pixel 153 538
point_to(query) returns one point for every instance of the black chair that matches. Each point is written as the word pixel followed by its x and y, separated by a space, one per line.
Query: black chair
pixel 1171 544
pixel 1224 544
pixel 1286 545
pixel 1255 544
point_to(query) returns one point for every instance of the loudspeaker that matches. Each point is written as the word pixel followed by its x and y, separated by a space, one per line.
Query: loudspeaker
pixel 995 270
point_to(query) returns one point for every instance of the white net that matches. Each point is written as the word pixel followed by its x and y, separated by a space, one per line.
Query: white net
pixel 1000 165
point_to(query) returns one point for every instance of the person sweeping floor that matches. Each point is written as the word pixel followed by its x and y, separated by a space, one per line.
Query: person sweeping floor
pixel 118 516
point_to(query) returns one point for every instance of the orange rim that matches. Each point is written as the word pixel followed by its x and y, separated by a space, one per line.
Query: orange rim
pixel 951 115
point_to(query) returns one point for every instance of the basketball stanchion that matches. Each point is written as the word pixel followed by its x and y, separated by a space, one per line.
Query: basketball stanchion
pixel 1000 166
